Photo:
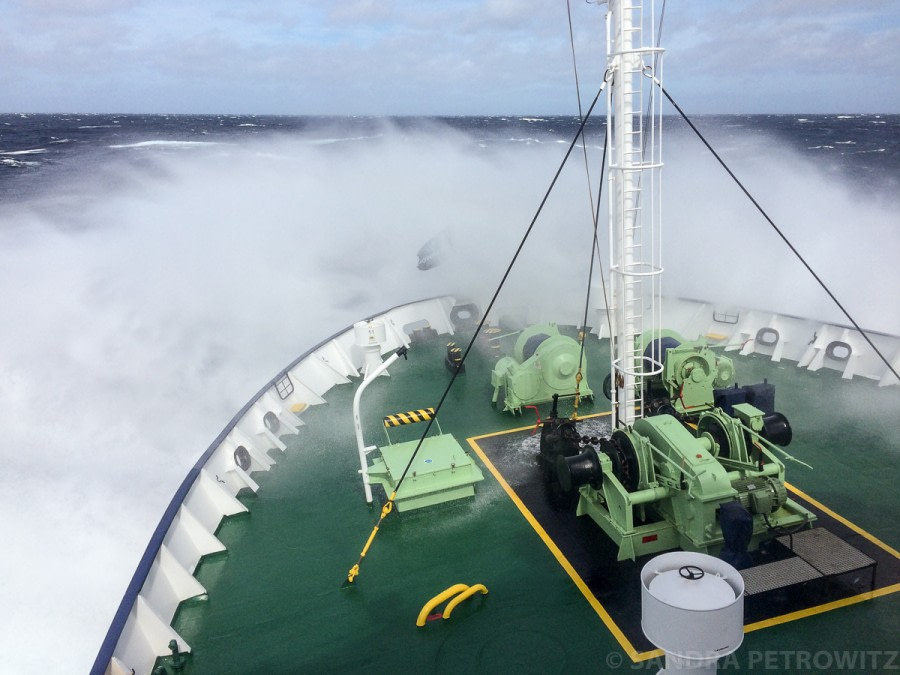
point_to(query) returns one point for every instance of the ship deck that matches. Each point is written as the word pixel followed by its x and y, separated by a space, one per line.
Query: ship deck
pixel 277 602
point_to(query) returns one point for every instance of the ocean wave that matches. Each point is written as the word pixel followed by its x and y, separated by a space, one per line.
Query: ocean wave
pixel 845 142
pixel 338 139
pixel 17 163
pixel 35 151
pixel 821 147
pixel 150 144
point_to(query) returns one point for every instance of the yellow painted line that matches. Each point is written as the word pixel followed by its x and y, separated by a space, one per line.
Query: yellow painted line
pixel 610 623
pixel 819 609
pixel 856 528
pixel 560 557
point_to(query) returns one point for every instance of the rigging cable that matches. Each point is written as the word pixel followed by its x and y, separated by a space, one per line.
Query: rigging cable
pixel 595 216
pixel 779 232
pixel 595 210
pixel 389 505
pixel 595 248
pixel 587 170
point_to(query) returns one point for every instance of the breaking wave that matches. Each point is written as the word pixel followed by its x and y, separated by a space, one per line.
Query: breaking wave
pixel 159 295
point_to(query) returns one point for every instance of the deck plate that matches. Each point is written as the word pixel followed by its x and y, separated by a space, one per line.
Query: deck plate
pixel 613 587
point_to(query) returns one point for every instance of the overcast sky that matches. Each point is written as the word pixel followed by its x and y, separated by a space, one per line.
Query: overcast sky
pixel 433 57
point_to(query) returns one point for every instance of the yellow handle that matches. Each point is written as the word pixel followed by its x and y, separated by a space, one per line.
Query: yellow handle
pixel 438 599
pixel 468 593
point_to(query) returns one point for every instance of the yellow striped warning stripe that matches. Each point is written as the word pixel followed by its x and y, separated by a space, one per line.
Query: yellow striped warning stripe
pixel 411 417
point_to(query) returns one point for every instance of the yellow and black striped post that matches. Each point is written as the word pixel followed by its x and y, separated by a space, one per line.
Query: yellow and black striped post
pixel 410 417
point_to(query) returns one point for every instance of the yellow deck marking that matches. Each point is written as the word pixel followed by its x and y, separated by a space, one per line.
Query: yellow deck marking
pixel 819 609
pixel 560 557
pixel 856 528
pixel 610 623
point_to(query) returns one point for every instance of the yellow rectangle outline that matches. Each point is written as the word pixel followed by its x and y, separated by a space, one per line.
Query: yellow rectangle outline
pixel 609 622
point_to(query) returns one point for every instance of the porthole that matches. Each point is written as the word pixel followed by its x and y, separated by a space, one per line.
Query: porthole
pixel 838 350
pixel 464 315
pixel 271 421
pixel 767 337
pixel 242 457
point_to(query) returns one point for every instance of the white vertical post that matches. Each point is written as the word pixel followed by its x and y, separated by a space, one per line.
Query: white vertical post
pixel 357 421
pixel 634 200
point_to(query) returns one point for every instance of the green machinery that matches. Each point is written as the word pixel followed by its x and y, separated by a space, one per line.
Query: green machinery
pixel 441 471
pixel 698 471
pixel 543 363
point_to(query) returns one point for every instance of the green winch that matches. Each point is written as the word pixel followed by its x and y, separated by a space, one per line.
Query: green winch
pixel 544 362
pixel 702 456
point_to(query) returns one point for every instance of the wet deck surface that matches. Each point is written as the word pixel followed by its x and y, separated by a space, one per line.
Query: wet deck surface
pixel 276 603
pixel 843 569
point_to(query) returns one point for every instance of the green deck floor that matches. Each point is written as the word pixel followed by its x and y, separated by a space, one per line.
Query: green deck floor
pixel 275 600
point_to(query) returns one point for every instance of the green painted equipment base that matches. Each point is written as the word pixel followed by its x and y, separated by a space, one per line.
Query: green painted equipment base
pixel 441 472
pixel 613 585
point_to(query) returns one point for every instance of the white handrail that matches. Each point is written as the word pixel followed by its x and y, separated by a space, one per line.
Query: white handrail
pixel 360 444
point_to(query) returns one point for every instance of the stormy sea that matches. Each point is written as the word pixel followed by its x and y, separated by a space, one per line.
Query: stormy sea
pixel 156 270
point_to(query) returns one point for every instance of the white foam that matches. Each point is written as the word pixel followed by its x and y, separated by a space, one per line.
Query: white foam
pixel 35 151
pixel 17 163
pixel 173 144
pixel 148 312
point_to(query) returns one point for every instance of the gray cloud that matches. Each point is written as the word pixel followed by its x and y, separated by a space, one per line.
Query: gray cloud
pixel 402 57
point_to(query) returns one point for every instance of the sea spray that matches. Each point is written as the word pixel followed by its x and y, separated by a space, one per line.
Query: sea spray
pixel 147 296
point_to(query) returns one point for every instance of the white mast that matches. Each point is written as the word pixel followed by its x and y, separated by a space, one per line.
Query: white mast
pixel 634 125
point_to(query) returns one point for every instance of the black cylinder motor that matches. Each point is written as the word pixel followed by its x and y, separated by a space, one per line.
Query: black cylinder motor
pixel 776 429
pixel 584 468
